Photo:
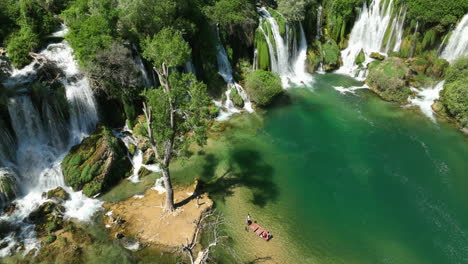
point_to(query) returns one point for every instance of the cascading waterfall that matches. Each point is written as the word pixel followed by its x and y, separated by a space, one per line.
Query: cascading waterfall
pixel 367 35
pixel 190 68
pixel 318 29
pixel 225 71
pixel 396 32
pixel 41 143
pixel 287 56
pixel 141 67
pixel 458 43
pixel 426 97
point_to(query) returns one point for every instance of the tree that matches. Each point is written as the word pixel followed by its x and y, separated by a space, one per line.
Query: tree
pixel 176 114
pixel 293 10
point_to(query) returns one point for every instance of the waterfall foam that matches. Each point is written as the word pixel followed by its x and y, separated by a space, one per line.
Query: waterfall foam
pixel 458 43
pixel 318 29
pixel 426 97
pixel 225 71
pixel 42 141
pixel 287 56
pixel 367 35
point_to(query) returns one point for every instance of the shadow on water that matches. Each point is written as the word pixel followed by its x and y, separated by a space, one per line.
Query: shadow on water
pixel 246 168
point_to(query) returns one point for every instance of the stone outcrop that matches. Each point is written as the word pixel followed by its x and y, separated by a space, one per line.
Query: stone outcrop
pixel 96 164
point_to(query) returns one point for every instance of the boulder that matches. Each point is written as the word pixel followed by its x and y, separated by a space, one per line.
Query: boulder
pixel 388 79
pixel 360 58
pixel 236 98
pixel 57 194
pixel 8 188
pixel 377 56
pixel 96 164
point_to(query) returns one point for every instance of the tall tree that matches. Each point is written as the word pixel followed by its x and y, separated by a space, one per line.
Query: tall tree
pixel 176 114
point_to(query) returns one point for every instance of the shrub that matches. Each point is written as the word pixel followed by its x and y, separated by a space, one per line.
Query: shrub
pixel 387 78
pixel 263 86
pixel 20 44
pixel 50 239
pixel 454 97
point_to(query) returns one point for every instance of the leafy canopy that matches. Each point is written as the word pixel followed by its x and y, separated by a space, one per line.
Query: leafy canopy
pixel 167 47
pixel 191 101
pixel 455 94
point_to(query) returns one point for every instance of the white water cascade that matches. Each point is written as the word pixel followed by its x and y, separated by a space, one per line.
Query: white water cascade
pixel 225 70
pixel 318 29
pixel 287 56
pixel 368 35
pixel 458 43
pixel 141 67
pixel 426 97
pixel 42 141
pixel 396 32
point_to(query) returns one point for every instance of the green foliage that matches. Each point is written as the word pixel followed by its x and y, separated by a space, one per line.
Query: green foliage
pixel 236 98
pixel 387 78
pixel 37 17
pixel 280 20
pixel 263 86
pixel 236 17
pixel 361 57
pixel 294 10
pixel 331 54
pixel 167 47
pixel 263 55
pixel 454 97
pixel 20 44
pixel 436 11
pixel 50 239
pixel 9 13
pixel 192 102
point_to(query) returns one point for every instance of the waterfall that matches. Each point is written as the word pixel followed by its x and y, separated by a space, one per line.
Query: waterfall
pixel 413 45
pixel 396 32
pixel 458 43
pixel 287 56
pixel 426 97
pixel 141 67
pixel 190 68
pixel 225 71
pixel 43 139
pixel 367 34
pixel 318 29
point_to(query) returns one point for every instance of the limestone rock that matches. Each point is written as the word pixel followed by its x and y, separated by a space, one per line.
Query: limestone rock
pixel 58 194
pixel 96 164
pixel 377 56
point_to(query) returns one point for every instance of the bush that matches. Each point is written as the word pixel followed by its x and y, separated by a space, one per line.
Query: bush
pixel 331 55
pixel 263 86
pixel 50 239
pixel 20 44
pixel 454 97
pixel 388 79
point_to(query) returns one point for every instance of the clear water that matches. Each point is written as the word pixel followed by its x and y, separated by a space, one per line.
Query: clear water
pixel 342 178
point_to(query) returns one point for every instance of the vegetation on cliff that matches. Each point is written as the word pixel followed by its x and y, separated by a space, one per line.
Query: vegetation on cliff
pixel 454 97
pixel 96 164
pixel 263 86
pixel 388 79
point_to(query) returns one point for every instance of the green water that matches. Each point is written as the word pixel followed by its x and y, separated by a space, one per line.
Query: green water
pixel 343 179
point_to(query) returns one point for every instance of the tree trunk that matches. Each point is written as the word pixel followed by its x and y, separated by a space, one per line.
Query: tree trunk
pixel 169 206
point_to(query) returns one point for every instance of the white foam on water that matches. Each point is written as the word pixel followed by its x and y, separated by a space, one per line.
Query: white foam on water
pixel 80 206
pixel 159 186
pixel 352 89
pixel 426 97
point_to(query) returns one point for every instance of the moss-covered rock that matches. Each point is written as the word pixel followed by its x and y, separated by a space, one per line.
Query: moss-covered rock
pixel 236 98
pixel 50 239
pixel 331 55
pixel 58 194
pixel 377 56
pixel 48 217
pixel 8 188
pixel 388 79
pixel 263 86
pixel 96 164
pixel 361 57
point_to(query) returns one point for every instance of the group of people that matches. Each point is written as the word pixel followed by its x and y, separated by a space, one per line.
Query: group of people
pixel 264 235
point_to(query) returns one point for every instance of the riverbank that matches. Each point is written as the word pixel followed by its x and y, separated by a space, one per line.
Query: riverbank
pixel 142 217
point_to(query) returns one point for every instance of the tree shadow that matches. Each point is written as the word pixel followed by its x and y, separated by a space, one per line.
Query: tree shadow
pixel 246 168
pixel 259 260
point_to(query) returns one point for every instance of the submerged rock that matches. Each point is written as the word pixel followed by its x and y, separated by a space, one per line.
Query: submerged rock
pixel 96 164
